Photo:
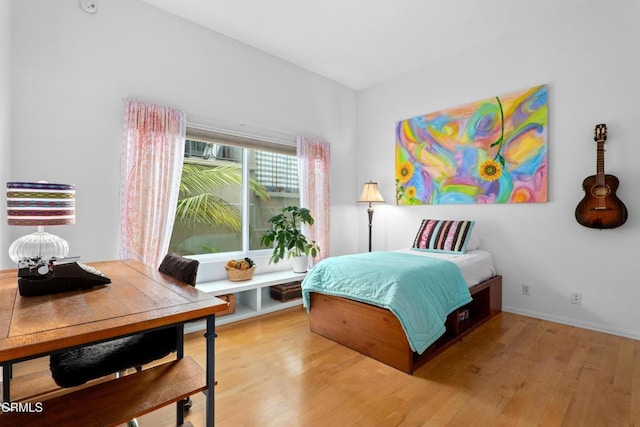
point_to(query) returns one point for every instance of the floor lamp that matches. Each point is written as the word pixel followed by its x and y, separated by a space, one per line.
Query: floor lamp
pixel 370 194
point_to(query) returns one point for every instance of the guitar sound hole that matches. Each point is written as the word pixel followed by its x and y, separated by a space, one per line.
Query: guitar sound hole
pixel 600 190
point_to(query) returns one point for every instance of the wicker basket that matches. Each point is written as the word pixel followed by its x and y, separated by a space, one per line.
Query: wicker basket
pixel 237 275
pixel 231 301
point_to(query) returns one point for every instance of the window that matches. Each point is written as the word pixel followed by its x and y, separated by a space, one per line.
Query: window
pixel 230 187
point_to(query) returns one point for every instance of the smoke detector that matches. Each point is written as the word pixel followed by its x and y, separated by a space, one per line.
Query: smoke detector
pixel 88 6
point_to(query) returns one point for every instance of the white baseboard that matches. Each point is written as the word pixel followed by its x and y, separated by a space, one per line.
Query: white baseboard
pixel 607 329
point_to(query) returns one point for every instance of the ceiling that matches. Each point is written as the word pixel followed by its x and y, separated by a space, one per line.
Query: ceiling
pixel 361 43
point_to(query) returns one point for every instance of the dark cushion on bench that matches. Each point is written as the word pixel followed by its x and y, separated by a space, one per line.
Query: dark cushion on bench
pixel 75 367
pixel 183 269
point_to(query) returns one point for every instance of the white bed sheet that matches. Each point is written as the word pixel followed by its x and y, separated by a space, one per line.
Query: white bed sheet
pixel 476 266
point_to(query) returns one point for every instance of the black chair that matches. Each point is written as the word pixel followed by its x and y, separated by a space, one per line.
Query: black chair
pixel 75 367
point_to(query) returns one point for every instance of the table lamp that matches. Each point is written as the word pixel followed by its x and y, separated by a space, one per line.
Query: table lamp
pixel 39 204
pixel 370 194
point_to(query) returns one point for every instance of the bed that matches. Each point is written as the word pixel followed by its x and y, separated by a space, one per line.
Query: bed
pixel 380 330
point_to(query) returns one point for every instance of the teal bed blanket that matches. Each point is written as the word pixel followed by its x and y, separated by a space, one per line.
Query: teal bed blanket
pixel 419 290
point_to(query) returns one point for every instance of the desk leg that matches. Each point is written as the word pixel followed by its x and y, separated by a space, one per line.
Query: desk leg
pixel 7 373
pixel 210 336
pixel 180 355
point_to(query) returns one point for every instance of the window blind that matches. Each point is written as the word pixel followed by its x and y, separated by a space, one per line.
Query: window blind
pixel 256 143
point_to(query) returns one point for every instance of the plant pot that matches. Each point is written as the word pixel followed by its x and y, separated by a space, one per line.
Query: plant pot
pixel 300 264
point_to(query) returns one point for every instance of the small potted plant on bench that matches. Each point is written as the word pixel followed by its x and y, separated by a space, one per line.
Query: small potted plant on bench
pixel 287 240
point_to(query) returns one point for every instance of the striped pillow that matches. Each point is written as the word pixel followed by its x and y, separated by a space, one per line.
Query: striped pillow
pixel 446 236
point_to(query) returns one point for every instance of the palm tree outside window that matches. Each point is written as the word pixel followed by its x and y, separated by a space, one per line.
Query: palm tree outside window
pixel 228 192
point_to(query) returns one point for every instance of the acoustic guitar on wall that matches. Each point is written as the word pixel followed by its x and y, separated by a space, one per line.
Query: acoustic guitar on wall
pixel 600 207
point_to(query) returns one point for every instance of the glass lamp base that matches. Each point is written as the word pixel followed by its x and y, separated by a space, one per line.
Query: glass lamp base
pixel 39 244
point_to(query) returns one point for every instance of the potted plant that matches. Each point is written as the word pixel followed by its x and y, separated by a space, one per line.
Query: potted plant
pixel 287 239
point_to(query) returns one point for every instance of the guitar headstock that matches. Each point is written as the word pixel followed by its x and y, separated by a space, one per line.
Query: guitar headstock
pixel 600 134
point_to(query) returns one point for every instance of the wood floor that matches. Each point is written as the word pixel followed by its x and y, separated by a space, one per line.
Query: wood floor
pixel 512 371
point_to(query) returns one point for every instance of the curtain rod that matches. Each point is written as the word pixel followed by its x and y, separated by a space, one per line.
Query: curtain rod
pixel 242 130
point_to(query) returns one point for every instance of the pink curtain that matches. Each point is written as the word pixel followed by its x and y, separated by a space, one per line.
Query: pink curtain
pixel 152 156
pixel 313 174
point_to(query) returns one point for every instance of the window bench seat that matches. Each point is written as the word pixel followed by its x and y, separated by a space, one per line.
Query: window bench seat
pixel 252 296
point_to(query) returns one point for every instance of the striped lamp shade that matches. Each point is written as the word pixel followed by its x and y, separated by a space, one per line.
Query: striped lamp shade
pixel 40 203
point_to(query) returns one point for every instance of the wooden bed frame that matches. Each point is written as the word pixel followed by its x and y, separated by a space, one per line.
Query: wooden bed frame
pixel 377 333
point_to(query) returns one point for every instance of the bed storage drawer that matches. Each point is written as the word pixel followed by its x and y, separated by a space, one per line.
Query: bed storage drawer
pixel 487 296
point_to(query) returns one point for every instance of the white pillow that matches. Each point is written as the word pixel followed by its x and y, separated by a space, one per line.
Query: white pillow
pixel 473 243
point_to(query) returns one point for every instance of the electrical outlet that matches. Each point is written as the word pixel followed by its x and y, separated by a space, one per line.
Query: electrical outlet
pixel 525 290
pixel 576 298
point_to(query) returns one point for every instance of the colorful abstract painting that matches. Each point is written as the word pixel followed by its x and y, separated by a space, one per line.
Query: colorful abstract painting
pixel 490 151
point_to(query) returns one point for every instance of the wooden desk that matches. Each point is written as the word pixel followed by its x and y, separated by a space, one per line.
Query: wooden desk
pixel 139 299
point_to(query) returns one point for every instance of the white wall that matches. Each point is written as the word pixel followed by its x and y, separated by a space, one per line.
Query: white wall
pixel 5 117
pixel 72 71
pixel 5 114
pixel 589 60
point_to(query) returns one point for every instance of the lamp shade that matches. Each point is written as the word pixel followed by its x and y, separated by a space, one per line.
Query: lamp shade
pixel 40 203
pixel 370 193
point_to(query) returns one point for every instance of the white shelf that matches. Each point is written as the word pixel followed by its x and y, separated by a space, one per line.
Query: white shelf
pixel 252 296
